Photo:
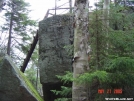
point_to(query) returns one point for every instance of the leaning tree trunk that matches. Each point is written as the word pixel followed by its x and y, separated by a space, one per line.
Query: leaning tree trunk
pixel 81 36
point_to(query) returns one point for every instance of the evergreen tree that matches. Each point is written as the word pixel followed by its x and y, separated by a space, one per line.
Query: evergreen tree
pixel 113 67
pixel 19 26
pixel 118 63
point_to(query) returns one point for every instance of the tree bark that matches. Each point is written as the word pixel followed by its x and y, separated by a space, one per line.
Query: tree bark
pixel 29 54
pixel 1 4
pixel 70 5
pixel 106 7
pixel 10 32
pixel 97 44
pixel 81 49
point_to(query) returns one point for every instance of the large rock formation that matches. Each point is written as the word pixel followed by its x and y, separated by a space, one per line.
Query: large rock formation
pixel 14 86
pixel 54 33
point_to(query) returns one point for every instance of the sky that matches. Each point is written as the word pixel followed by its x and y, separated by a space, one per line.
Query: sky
pixel 40 7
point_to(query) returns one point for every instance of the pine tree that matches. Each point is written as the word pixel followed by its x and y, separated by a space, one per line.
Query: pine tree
pixel 19 26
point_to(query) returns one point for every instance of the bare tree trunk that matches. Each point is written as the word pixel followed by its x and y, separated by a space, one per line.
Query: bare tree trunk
pixel 106 7
pixel 70 5
pixel 55 6
pixel 1 4
pixel 10 32
pixel 81 36
pixel 97 44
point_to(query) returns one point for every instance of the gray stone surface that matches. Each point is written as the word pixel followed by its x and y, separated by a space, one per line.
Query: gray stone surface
pixel 13 84
pixel 54 34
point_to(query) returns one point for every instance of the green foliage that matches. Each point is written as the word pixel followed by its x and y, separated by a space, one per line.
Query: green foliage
pixel 66 91
pixel 120 72
pixel 67 78
pixel 69 49
pixel 35 55
pixel 63 99
pixel 123 43
pixel 22 27
pixel 88 78
pixel 112 52
pixel 112 58
pixel 36 94
pixel 22 31
pixel 31 75
pixel 122 64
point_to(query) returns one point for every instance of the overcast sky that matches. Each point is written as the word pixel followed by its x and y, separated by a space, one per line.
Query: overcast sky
pixel 40 7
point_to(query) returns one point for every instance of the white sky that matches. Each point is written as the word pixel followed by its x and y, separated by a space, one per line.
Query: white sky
pixel 40 7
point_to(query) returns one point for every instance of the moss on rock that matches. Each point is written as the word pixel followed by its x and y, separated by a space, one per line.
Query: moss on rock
pixel 14 86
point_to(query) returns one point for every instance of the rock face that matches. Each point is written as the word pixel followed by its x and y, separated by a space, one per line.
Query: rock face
pixel 54 34
pixel 14 86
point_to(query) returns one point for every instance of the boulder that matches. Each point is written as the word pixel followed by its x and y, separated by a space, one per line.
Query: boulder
pixel 55 33
pixel 14 86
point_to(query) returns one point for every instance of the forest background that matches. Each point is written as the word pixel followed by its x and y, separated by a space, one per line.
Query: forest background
pixel 111 41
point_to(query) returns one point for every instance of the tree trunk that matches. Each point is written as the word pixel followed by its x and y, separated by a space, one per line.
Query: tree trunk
pixel 106 7
pixel 10 32
pixel 97 44
pixel 1 4
pixel 70 5
pixel 81 36
pixel 37 79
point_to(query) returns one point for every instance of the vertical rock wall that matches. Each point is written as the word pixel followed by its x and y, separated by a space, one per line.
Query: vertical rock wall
pixel 54 34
